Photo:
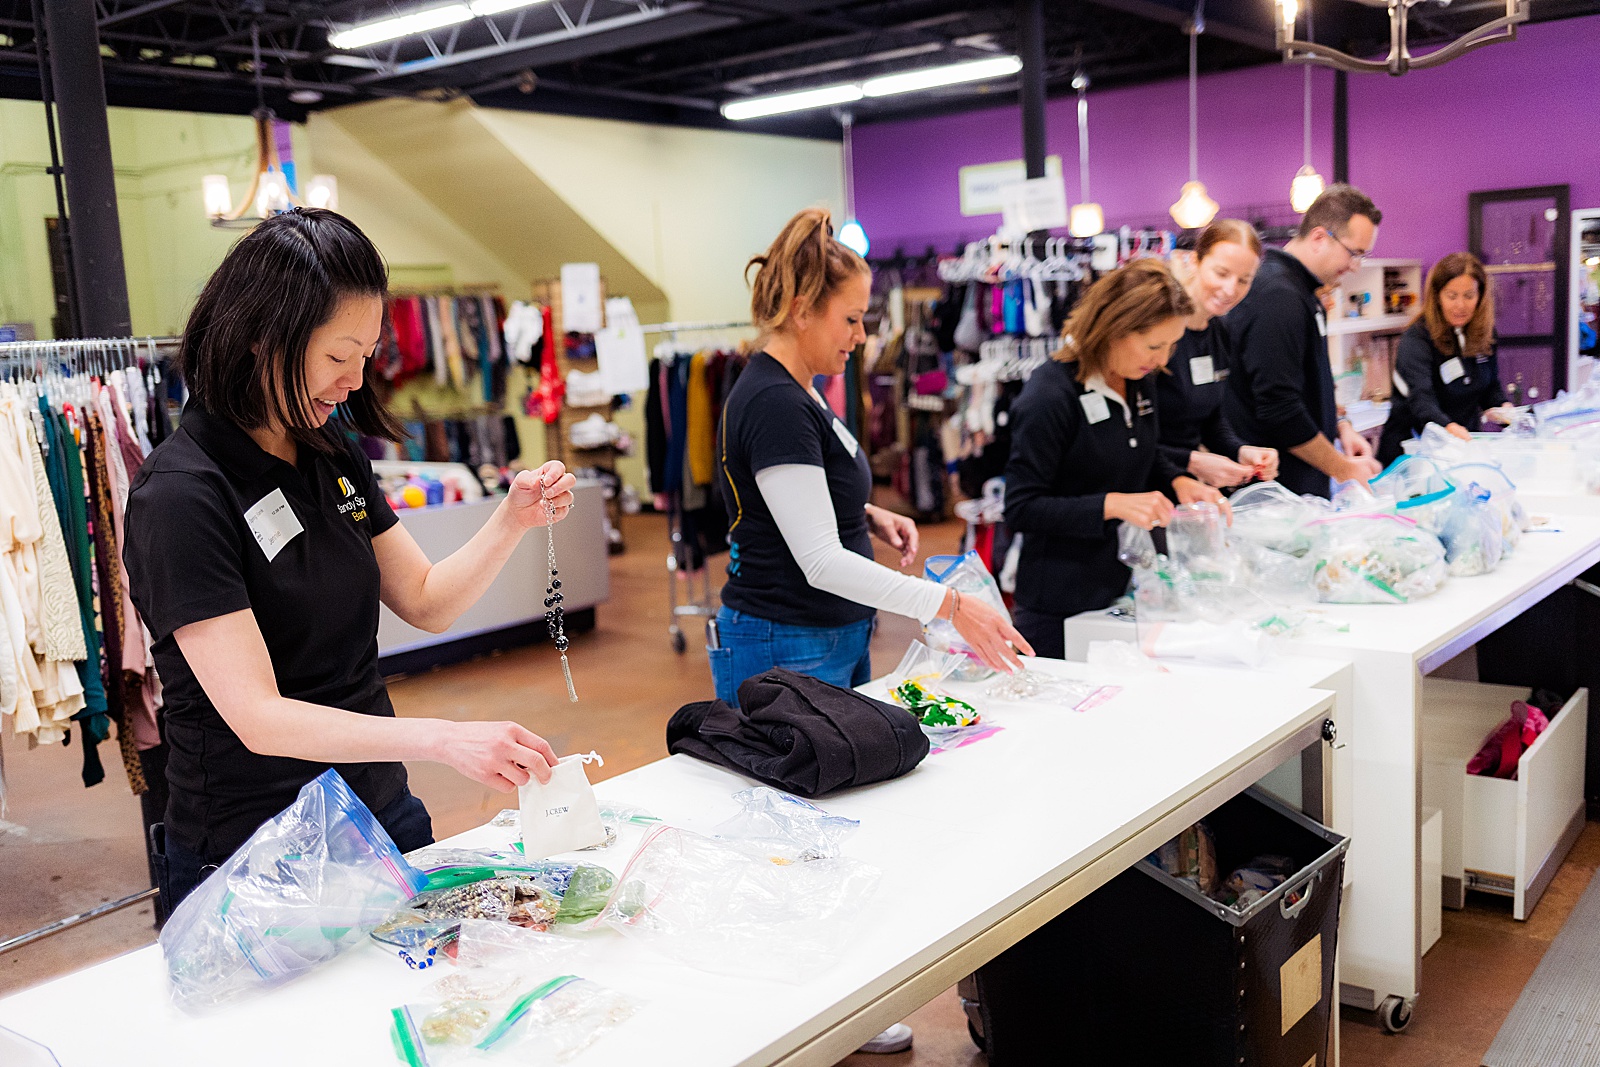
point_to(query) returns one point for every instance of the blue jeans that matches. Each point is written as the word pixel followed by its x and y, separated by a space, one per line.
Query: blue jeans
pixel 179 871
pixel 838 655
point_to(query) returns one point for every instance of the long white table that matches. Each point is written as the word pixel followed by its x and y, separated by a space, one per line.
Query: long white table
pixel 979 846
pixel 1391 648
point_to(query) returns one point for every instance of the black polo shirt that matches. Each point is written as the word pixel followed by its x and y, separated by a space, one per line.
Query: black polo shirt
pixel 1071 445
pixel 1190 394
pixel 200 526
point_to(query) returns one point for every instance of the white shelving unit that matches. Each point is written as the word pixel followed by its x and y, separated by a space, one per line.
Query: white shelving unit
pixel 1375 288
pixel 1375 279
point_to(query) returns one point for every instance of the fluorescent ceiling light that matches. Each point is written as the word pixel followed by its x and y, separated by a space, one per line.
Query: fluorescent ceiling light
pixel 762 106
pixel 370 33
pixel 932 77
pixel 910 81
pixel 494 7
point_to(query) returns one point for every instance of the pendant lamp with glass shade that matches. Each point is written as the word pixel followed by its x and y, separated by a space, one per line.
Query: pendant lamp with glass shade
pixel 852 234
pixel 269 192
pixel 1086 219
pixel 1307 184
pixel 1194 208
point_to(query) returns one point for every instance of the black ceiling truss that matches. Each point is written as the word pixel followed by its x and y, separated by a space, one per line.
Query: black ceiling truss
pixel 674 61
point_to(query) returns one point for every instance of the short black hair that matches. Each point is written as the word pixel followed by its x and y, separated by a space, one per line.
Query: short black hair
pixel 245 344
pixel 1334 209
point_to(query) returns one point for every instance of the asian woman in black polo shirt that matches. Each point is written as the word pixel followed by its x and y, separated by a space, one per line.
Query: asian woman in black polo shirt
pixel 1084 454
pixel 259 547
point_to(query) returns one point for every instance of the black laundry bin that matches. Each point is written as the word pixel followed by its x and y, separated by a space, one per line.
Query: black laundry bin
pixel 1148 970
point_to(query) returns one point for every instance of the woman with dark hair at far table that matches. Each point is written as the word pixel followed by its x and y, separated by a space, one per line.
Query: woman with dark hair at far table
pixel 1446 372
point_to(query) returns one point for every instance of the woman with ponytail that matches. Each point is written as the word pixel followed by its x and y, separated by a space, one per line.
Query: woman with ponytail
pixel 803 589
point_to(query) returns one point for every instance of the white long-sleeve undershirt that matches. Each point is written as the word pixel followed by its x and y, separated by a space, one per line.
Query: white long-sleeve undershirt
pixel 797 496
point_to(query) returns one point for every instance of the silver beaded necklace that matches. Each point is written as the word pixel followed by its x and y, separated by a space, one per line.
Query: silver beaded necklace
pixel 553 615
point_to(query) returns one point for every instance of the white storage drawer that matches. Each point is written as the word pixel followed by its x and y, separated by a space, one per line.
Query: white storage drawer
pixel 1499 835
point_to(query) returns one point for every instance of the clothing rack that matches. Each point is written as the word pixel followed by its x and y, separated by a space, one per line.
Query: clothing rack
pixel 72 358
pixel 697 599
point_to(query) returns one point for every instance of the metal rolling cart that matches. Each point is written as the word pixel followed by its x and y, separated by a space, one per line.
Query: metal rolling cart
pixel 696 599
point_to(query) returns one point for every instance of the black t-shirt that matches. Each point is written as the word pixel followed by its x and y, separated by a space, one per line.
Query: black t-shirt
pixel 1280 391
pixel 196 515
pixel 771 420
pixel 1189 393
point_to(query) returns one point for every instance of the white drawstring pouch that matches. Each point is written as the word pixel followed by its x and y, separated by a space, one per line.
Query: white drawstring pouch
pixel 561 815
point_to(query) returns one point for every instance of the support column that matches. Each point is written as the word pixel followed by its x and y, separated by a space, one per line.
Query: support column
pixel 1030 22
pixel 1341 126
pixel 96 233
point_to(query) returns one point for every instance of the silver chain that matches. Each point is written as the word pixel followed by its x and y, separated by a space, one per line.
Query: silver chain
pixel 554 617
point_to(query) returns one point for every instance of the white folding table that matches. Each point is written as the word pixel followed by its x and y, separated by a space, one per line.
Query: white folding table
pixel 979 846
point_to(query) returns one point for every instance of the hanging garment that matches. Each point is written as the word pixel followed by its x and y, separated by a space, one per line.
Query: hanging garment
pixel 436 345
pixel 450 337
pixel 551 387
pixel 701 429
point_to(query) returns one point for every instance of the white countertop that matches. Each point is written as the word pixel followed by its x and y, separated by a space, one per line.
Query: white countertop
pixel 969 838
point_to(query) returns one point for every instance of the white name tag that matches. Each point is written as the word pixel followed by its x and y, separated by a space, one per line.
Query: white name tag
pixel 273 523
pixel 1094 407
pixel 1201 370
pixel 1451 369
pixel 1322 323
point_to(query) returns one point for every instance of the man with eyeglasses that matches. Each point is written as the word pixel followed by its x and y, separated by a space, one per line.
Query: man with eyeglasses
pixel 1280 393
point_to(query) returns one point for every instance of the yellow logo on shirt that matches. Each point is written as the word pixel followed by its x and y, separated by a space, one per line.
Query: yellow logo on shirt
pixel 356 506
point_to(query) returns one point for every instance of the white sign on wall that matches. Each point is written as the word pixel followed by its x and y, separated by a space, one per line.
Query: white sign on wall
pixel 981 183
pixel 1034 204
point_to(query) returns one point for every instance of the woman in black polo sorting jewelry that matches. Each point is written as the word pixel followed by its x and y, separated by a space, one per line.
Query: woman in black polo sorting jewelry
pixel 1085 454
pixel 260 545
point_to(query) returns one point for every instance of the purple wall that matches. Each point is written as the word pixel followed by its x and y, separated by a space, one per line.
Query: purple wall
pixel 1525 113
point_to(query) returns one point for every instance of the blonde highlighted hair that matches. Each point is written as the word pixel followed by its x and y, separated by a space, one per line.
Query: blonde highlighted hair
pixel 805 263
pixel 1131 299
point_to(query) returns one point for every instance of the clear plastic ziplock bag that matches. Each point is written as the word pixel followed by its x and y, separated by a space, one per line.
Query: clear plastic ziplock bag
pixel 1502 496
pixel 537 897
pixel 1418 488
pixel 1374 559
pixel 1197 541
pixel 1272 516
pixel 1471 533
pixel 310 883
pixel 549 1023
pixel 917 685
pixel 781 827
pixel 967 575
pixel 719 908
pixel 1445 448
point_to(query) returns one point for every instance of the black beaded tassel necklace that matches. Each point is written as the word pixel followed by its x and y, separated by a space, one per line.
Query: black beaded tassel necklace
pixel 553 615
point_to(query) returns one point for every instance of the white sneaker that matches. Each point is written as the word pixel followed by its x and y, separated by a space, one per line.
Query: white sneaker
pixel 895 1039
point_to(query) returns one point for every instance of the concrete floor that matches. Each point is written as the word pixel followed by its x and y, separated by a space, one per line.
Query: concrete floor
pixel 64 848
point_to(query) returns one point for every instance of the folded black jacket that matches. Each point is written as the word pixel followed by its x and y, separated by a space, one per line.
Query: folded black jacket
pixel 800 734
